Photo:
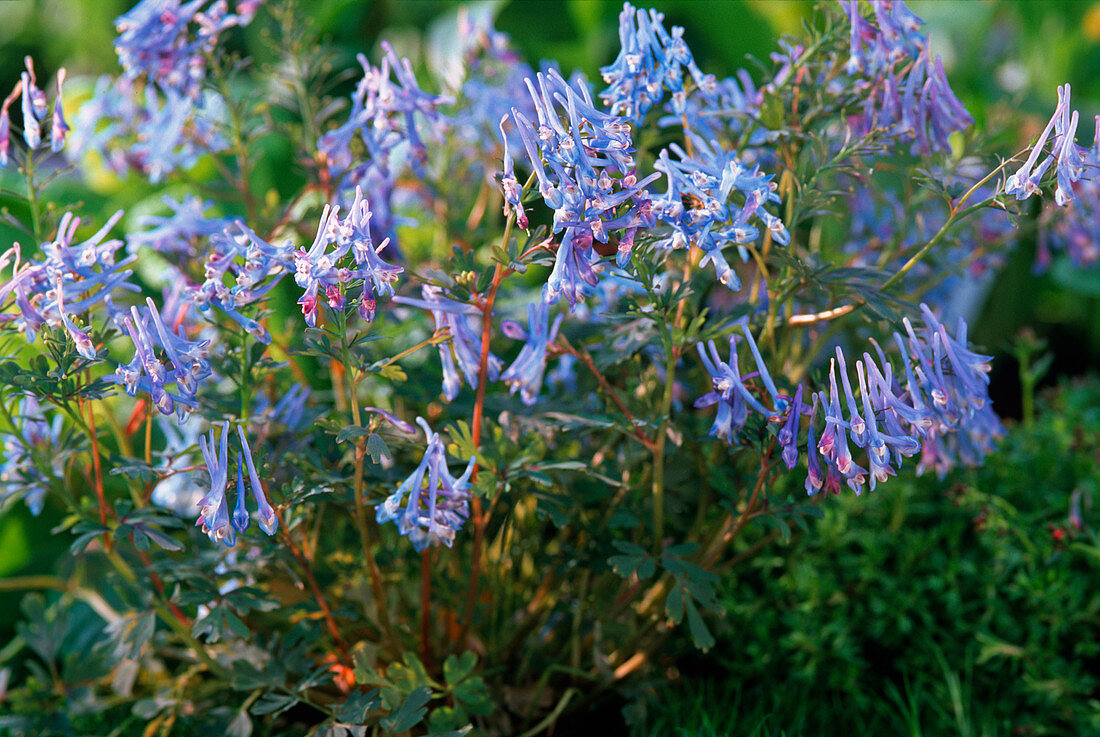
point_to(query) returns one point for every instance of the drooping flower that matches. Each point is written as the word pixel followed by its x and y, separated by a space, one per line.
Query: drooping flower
pixel 265 515
pixel 432 512
pixel 464 347
pixel 730 393
pixel 526 373
pixel 186 359
pixel 213 509
pixel 894 36
pixel 1068 157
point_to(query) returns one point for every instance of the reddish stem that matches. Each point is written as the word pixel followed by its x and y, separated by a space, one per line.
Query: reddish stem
pixel 479 519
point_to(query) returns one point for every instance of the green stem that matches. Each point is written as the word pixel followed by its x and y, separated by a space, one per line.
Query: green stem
pixel 659 449
pixel 361 523
pixel 32 198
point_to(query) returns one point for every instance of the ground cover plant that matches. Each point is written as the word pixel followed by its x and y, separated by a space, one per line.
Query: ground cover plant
pixel 510 370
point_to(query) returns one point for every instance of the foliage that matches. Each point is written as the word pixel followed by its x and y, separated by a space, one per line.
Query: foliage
pixel 536 269
pixel 962 607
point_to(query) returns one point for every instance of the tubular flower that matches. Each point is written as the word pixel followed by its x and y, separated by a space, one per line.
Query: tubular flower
pixel 650 61
pixel 213 509
pixel 730 393
pixel 894 36
pixel 387 108
pixel 265 515
pixel 1075 229
pixel 464 347
pixel 530 365
pixel 32 104
pixel 1068 157
pixel 574 154
pixel 68 281
pixel 429 513
pixel 907 93
pixel 708 178
pixel 942 412
pixel 187 364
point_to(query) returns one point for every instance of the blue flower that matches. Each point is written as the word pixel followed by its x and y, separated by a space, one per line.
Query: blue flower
pixel 650 61
pixel 213 509
pixel 265 515
pixel 155 39
pixel 586 173
pixel 708 178
pixel 526 373
pixel 464 347
pixel 181 231
pixel 148 374
pixel 435 512
pixel 1070 157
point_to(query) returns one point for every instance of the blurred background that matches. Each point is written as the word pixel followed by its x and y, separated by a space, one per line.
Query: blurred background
pixel 910 609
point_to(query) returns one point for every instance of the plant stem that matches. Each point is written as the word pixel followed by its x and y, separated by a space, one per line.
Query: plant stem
pixel 373 570
pixel 426 607
pixel 586 358
pixel 318 594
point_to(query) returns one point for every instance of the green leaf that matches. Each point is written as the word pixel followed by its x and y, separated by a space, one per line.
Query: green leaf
pixel 634 561
pixel 377 448
pixel 411 712
pixel 456 669
pixel 700 635
pixel 674 604
pixel 162 540
pixel 351 432
pixel 358 706
pixel 273 703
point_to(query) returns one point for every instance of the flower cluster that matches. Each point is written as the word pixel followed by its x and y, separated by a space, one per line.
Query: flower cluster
pixel 707 178
pixel 730 393
pixel 525 374
pixel 252 264
pixel 1068 157
pixel 34 108
pixel 1075 228
pixel 650 61
pixel 943 411
pixel 894 36
pixel 573 160
pixel 906 92
pixel 27 453
pixel 318 269
pixel 464 347
pixel 214 514
pixel 435 512
pixel 70 280
pixel 384 114
pixel 186 363
pixel 143 130
pixel 156 40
